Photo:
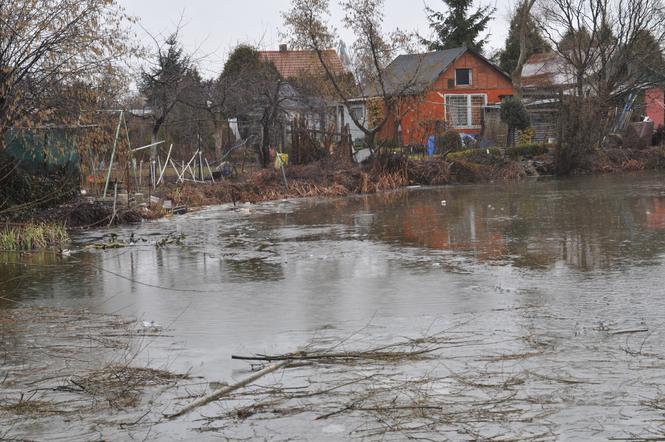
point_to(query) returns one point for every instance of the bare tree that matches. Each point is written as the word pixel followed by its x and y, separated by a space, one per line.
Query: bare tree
pixel 44 43
pixel 215 93
pixel 373 50
pixel 612 49
pixel 523 19
pixel 165 81
pixel 603 42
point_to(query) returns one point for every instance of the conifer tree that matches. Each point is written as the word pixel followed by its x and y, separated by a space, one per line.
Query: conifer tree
pixel 535 43
pixel 456 27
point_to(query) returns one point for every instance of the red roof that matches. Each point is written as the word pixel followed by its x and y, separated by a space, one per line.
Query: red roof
pixel 294 64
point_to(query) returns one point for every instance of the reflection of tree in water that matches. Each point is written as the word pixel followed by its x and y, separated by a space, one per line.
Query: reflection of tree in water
pixel 590 222
pixel 20 271
pixel 656 216
pixel 587 223
pixel 587 230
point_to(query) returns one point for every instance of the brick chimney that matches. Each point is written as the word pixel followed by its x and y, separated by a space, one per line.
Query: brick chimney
pixel 283 48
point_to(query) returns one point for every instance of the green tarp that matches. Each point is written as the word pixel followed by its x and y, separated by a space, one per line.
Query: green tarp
pixel 44 149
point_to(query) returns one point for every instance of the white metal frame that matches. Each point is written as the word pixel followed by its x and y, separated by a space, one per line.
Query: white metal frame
pixel 469 108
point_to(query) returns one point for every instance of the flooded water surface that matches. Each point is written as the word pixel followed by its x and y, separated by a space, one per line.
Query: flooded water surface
pixel 552 293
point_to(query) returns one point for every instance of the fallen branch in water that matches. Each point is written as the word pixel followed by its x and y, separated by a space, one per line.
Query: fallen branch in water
pixel 228 389
pixel 625 332
pixel 561 380
pixel 377 354
pixel 303 356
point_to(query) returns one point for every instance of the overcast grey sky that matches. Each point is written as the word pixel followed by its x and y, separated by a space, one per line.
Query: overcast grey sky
pixel 214 27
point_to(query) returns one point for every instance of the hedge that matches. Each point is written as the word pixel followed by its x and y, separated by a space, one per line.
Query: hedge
pixel 467 153
pixel 523 150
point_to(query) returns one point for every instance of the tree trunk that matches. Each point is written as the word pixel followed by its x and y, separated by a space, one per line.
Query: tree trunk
pixel 154 138
pixel 580 83
pixel 264 147
pixel 525 13
pixel 3 131
pixel 218 137
pixel 370 141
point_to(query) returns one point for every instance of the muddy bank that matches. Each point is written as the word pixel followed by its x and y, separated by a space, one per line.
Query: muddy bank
pixel 79 213
pixel 623 160
pixel 323 179
pixel 333 179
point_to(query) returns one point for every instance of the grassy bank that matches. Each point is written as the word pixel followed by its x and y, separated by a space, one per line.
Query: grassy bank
pixel 33 236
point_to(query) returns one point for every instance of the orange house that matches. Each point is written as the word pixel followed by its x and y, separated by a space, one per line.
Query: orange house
pixel 440 90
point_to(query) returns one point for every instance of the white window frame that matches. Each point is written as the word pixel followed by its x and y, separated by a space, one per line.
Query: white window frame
pixel 470 77
pixel 353 110
pixel 469 108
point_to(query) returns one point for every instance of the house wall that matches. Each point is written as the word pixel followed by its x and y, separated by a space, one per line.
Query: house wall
pixel 417 116
pixel 345 118
pixel 654 99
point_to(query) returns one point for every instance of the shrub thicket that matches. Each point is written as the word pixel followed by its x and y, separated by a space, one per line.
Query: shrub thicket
pixel 451 141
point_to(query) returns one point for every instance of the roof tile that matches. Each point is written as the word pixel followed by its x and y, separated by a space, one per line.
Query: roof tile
pixel 297 64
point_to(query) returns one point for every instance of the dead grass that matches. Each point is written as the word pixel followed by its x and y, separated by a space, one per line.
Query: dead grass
pixel 329 179
pixel 319 179
pixel 122 386
pixel 623 160
pixel 31 408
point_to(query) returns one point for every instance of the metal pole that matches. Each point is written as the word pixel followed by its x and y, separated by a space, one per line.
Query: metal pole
pixel 212 177
pixel 166 163
pixel 115 201
pixel 201 166
pixel 115 144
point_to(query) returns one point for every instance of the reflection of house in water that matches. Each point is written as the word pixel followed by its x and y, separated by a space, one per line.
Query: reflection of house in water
pixel 363 222
pixel 480 231
pixel 656 216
